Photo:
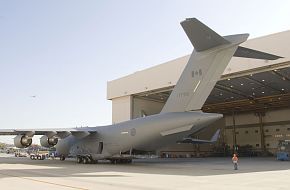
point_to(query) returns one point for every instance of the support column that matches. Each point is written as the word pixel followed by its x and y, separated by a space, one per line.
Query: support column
pixel 234 132
pixel 132 103
pixel 260 115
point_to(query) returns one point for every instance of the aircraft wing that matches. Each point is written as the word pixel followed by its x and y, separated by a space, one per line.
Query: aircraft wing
pixel 199 141
pixel 59 132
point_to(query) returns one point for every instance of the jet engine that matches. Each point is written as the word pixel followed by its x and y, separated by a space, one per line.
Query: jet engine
pixel 22 141
pixel 47 142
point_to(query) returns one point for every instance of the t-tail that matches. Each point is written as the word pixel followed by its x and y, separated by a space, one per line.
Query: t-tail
pixel 208 61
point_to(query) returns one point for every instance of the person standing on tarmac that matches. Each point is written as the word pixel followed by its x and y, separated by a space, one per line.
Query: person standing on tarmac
pixel 235 160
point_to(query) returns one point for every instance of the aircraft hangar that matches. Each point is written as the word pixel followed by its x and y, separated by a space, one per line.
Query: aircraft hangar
pixel 253 95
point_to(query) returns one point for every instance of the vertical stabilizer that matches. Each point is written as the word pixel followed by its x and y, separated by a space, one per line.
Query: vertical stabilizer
pixel 208 61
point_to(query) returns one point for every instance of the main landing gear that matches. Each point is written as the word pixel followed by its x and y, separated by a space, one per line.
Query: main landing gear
pixel 86 160
pixel 121 161
pixel 61 157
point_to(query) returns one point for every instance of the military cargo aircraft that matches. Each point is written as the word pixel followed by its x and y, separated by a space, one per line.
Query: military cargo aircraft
pixel 180 117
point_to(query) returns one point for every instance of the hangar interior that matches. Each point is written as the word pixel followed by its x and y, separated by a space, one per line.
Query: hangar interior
pixel 253 96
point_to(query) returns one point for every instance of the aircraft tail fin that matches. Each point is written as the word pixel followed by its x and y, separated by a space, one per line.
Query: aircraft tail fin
pixel 206 64
pixel 201 36
pixel 208 61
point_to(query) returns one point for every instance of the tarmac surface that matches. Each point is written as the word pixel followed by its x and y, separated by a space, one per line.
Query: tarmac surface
pixel 156 174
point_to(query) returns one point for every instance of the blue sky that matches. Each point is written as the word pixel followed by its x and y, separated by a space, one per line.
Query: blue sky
pixel 64 52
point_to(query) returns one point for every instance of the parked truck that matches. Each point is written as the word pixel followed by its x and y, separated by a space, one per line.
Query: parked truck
pixel 283 150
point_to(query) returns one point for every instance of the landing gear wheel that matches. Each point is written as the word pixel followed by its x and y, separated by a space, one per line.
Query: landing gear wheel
pixel 62 158
pixel 90 160
pixel 79 159
pixel 86 160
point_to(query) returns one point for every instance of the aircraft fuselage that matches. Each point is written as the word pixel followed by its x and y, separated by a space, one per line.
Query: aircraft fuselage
pixel 147 133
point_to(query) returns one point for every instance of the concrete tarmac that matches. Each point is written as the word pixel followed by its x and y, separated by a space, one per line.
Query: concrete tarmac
pixel 155 174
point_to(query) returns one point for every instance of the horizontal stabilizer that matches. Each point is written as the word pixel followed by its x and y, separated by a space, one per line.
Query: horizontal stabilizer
pixel 250 53
pixel 201 36
pixel 198 141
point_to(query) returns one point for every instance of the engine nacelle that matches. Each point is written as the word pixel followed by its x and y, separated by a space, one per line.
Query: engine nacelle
pixel 22 141
pixel 48 142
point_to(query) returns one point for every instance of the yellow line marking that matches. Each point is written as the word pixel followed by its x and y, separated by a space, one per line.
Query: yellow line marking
pixel 40 181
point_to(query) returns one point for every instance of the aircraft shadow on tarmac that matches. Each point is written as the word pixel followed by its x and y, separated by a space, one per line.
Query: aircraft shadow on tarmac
pixel 24 167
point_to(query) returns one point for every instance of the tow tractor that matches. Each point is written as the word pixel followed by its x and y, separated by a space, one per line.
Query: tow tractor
pixel 283 150
pixel 39 155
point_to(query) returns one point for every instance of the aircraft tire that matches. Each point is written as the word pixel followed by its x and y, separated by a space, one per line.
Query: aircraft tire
pixel 79 159
pixel 85 160
pixel 62 158
pixel 90 161
pixel 121 161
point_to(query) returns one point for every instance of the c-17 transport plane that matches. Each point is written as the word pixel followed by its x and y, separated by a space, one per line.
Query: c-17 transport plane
pixel 180 117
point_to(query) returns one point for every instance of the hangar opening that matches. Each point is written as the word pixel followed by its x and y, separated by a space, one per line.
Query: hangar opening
pixel 253 96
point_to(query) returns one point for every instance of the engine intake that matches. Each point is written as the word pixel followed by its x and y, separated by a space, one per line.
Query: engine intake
pixel 22 141
pixel 48 142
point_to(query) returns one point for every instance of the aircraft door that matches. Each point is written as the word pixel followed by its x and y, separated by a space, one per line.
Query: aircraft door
pixel 100 148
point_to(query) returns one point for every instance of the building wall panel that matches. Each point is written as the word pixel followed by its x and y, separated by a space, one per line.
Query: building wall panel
pixel 121 110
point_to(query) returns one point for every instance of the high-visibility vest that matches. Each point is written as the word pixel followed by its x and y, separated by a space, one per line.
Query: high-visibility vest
pixel 235 159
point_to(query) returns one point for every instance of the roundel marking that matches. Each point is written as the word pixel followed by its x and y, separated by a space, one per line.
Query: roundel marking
pixel 133 132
